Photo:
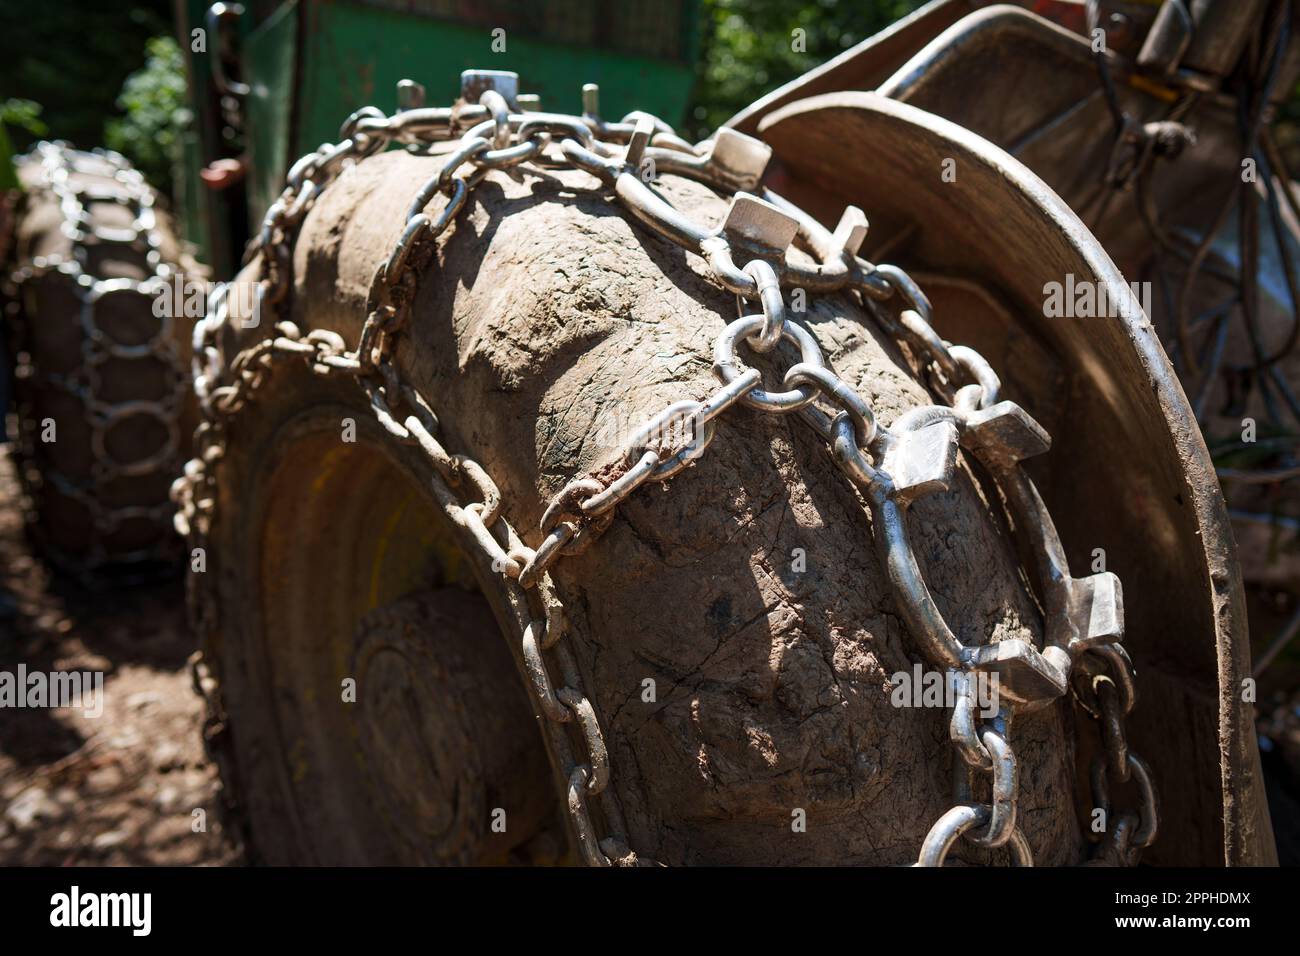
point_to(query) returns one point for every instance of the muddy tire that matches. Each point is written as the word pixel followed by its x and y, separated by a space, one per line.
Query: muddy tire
pixel 438 733
pixel 103 407
pixel 546 316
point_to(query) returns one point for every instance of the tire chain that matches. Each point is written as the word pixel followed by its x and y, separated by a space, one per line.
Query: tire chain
pixel 891 467
pixel 59 163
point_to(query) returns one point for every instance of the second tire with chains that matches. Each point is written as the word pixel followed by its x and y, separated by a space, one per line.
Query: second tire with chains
pixel 103 404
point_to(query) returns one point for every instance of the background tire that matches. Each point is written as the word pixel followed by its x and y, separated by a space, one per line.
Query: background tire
pixel 104 412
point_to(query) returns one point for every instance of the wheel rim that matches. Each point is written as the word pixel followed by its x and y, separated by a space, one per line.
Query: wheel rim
pixel 359 578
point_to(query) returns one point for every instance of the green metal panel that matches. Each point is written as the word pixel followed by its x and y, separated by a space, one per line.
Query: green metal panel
pixel 310 63
pixel 204 219
pixel 269 58
pixel 354 54
pixel 193 210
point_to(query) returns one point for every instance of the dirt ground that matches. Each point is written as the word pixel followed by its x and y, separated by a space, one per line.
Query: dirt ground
pixel 121 788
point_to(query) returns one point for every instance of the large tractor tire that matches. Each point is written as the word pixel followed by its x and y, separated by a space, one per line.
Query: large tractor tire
pixel 546 317
pixel 734 629
pixel 104 411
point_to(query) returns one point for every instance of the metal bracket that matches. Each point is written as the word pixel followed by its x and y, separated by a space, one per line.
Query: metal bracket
pixel 757 223
pixel 1024 675
pixel 474 83
pixel 921 462
pixel 1005 433
pixel 1096 609
pixel 738 160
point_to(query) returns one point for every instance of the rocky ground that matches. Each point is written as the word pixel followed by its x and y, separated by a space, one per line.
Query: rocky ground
pixel 121 788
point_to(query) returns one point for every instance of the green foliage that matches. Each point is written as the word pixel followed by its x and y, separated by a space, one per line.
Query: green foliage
pixel 71 57
pixel 749 46
pixel 153 106
pixel 23 114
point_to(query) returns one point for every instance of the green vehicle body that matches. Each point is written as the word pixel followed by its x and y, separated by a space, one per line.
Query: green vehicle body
pixel 310 63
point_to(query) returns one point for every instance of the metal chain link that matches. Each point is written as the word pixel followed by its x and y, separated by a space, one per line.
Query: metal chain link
pixel 59 163
pixel 892 467
pixel 1104 684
